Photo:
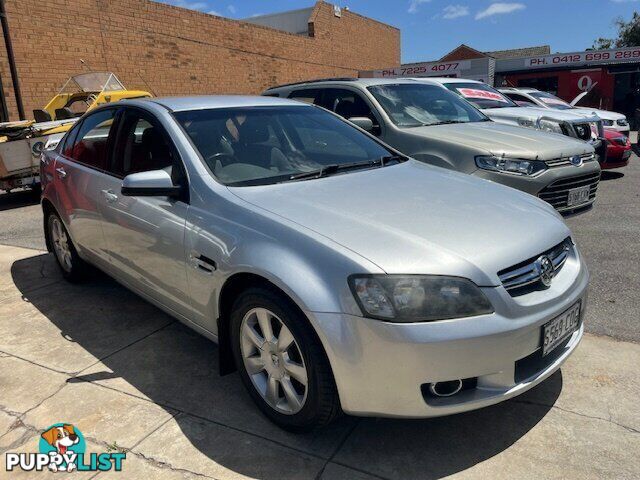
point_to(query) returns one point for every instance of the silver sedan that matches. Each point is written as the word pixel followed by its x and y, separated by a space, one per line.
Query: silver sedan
pixel 335 273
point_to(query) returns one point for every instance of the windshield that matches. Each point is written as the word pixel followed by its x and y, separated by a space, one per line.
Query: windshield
pixel 413 105
pixel 481 95
pixel 92 82
pixel 266 145
pixel 551 100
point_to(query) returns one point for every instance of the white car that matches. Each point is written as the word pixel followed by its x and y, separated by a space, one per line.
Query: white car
pixel 526 97
pixel 499 108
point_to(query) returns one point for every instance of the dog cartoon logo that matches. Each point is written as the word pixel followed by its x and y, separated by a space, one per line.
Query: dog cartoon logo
pixel 63 442
pixel 61 448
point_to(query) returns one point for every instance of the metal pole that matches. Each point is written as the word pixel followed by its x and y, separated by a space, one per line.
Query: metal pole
pixel 12 60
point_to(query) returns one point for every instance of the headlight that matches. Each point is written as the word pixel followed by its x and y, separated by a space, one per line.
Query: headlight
pixel 510 165
pixel 417 298
pixel 622 141
pixel 549 126
pixel 622 122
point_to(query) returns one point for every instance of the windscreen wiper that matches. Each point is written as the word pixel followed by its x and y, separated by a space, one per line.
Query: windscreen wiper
pixel 448 122
pixel 320 172
pixel 334 168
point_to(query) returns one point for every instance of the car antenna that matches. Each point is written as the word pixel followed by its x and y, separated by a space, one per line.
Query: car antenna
pixel 146 84
pixel 86 65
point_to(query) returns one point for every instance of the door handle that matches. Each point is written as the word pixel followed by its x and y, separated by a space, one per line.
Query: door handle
pixel 202 263
pixel 61 172
pixel 110 196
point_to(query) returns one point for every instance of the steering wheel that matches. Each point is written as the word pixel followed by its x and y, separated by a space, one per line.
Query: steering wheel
pixel 222 157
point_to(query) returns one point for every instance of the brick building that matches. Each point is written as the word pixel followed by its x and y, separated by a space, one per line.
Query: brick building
pixel 174 51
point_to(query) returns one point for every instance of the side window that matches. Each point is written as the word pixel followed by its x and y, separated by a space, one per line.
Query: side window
pixel 143 145
pixel 349 104
pixel 66 145
pixel 90 146
pixel 307 95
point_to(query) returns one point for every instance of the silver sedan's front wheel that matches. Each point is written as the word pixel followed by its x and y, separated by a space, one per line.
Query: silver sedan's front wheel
pixel 273 360
pixel 281 360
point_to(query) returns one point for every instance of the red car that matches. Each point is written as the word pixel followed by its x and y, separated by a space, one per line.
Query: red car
pixel 618 150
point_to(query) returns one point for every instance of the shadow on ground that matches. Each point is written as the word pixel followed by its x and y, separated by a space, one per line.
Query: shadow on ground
pixel 21 198
pixel 610 175
pixel 177 369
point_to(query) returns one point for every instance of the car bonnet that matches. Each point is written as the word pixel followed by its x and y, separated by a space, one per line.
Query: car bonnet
pixel 413 218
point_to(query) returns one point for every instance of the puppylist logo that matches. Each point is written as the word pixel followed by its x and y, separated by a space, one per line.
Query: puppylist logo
pixel 62 449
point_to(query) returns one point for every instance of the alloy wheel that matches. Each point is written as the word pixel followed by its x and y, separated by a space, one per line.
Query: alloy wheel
pixel 61 245
pixel 273 360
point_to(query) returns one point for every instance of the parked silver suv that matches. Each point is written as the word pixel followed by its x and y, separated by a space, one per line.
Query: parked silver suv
pixel 431 124
pixel 586 127
pixel 335 273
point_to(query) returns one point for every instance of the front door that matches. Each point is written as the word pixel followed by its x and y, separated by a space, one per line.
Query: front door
pixel 145 235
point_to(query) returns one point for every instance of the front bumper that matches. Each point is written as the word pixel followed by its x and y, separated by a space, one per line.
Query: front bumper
pixel 381 369
pixel 535 184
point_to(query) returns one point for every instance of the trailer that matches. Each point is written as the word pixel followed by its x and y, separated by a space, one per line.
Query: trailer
pixel 20 152
pixel 22 142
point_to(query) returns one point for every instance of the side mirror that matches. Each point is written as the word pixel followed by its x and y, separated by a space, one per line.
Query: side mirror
pixel 155 183
pixel 362 122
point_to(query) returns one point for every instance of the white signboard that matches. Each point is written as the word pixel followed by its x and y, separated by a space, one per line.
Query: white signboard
pixel 432 69
pixel 620 55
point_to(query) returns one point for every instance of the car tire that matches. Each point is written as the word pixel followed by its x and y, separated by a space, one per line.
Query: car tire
pixel 274 376
pixel 73 268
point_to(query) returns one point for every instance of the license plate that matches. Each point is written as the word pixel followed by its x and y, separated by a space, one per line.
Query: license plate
pixel 578 195
pixel 558 329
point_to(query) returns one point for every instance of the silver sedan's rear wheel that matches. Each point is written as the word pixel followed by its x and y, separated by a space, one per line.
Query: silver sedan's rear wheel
pixel 273 360
pixel 72 266
pixel 61 245
pixel 281 360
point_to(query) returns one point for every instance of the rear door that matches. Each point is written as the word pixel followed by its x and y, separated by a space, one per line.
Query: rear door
pixel 79 177
pixel 145 235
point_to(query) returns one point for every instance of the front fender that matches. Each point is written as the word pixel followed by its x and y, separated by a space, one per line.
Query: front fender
pixel 310 268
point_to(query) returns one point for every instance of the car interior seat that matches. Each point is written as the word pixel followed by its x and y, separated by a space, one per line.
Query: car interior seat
pixel 64 113
pixel 154 153
pixel 250 147
pixel 41 115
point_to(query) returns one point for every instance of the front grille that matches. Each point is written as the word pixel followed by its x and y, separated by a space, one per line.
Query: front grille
pixel 564 161
pixel 557 193
pixel 525 276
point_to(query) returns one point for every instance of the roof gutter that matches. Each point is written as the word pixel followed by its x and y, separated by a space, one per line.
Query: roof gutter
pixel 12 60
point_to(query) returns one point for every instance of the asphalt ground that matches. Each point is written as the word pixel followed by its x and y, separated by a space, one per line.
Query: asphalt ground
pixel 608 236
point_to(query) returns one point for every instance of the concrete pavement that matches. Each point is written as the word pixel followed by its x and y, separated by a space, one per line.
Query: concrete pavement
pixel 130 377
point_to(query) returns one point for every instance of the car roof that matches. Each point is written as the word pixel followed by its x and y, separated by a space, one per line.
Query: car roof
pixel 364 82
pixel 205 102
pixel 452 80
pixel 517 89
